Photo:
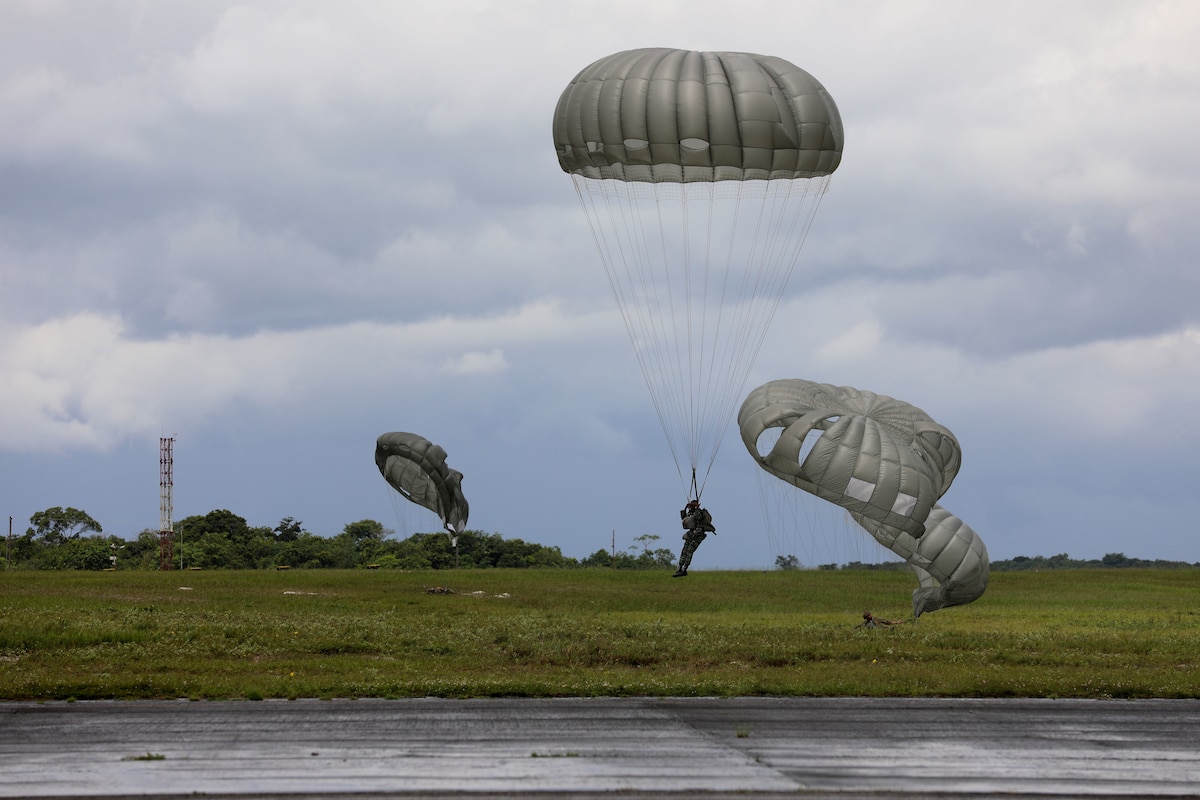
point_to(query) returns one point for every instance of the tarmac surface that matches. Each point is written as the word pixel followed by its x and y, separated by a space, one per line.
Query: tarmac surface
pixel 580 748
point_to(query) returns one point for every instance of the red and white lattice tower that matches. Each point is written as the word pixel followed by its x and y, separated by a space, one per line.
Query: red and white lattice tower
pixel 166 532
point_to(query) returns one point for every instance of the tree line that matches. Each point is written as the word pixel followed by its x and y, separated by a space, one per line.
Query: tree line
pixel 1017 564
pixel 1063 561
pixel 68 538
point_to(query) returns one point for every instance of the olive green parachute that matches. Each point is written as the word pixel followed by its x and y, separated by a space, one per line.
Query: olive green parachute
pixel 875 456
pixel 678 116
pixel 699 173
pixel 950 560
pixel 886 462
pixel 416 468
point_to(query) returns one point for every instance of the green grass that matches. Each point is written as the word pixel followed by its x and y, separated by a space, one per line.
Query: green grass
pixel 260 635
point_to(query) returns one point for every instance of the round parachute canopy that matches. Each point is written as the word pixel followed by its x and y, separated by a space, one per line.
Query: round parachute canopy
pixel 885 461
pixel 663 115
pixel 416 468
pixel 699 174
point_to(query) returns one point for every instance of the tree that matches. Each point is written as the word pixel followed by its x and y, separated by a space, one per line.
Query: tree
pixel 1059 561
pixel 365 531
pixel 787 562
pixel 222 540
pixel 307 551
pixel 84 553
pixel 25 549
pixel 649 559
pixel 360 542
pixel 143 552
pixel 288 530
pixel 58 524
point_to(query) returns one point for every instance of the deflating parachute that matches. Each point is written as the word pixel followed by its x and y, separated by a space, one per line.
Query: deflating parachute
pixel 885 461
pixel 416 468
pixel 950 560
pixel 700 173
pixel 874 455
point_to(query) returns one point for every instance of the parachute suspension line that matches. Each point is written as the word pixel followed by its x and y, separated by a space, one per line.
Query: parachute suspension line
pixel 647 291
pixel 694 344
pixel 408 513
pixel 719 365
pixel 759 257
pixel 612 207
pixel 399 510
pixel 788 209
pixel 697 279
pixel 739 297
pixel 683 339
pixel 817 533
pixel 667 319
pixel 717 268
pixel 700 376
pixel 780 246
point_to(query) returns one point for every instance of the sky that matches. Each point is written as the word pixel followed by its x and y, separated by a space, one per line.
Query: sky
pixel 275 230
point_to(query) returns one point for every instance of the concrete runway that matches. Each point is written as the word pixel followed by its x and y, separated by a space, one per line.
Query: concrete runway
pixel 636 747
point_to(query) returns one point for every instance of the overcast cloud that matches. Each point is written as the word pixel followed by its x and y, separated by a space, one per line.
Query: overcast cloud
pixel 275 230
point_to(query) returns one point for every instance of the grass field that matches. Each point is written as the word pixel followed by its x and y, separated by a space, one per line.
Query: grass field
pixel 256 635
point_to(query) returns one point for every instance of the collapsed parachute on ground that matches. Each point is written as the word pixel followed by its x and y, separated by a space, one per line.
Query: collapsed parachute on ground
pixel 886 462
pixel 699 173
pixel 416 468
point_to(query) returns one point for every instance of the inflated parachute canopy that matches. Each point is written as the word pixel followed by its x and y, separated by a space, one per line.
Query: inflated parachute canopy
pixel 871 454
pixel 416 468
pixel 663 115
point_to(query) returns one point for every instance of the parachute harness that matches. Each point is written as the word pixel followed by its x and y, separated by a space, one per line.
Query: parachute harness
pixel 694 492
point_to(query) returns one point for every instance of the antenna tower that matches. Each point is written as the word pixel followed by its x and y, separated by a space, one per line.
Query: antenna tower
pixel 166 483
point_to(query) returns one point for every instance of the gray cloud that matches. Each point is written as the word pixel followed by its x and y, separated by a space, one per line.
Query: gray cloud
pixel 265 223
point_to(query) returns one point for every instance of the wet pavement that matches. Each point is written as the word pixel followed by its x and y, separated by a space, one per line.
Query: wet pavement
pixel 636 747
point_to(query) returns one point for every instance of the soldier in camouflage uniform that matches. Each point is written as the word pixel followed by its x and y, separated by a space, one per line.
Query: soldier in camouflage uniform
pixel 698 523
